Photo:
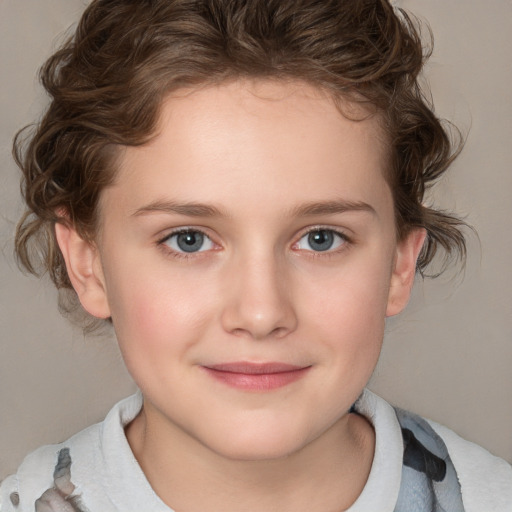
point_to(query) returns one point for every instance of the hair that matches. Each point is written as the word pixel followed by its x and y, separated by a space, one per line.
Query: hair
pixel 108 81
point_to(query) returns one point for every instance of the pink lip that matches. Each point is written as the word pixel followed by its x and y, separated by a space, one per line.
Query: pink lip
pixel 256 376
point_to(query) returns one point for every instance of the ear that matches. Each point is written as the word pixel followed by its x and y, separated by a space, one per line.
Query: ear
pixel 402 277
pixel 84 270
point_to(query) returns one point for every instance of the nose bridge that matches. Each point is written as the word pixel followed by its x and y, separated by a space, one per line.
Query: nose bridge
pixel 258 302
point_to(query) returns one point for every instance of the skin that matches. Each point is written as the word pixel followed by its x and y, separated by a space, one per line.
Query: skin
pixel 263 164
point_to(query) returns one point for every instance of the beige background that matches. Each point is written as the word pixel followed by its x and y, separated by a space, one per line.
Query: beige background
pixel 448 357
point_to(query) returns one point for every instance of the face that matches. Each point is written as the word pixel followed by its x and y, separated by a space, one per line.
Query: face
pixel 248 259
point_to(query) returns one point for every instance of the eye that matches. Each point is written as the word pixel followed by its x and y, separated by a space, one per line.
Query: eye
pixel 321 240
pixel 188 241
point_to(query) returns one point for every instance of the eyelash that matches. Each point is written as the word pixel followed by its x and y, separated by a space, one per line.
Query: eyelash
pixel 346 242
pixel 161 243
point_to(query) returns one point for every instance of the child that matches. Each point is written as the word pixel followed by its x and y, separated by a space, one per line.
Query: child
pixel 237 186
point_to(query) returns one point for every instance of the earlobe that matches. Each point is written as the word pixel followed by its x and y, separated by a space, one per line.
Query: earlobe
pixel 84 270
pixel 404 271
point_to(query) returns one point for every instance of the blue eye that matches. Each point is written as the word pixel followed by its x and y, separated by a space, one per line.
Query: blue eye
pixel 321 240
pixel 188 241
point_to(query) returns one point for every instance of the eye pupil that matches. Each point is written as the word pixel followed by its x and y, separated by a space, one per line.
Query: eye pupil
pixel 321 240
pixel 190 241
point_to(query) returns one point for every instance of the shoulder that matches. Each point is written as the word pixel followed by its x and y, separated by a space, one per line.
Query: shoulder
pixel 44 473
pixel 417 447
pixel 62 476
pixel 486 480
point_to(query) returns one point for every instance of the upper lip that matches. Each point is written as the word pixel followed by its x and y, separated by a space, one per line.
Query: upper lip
pixel 255 368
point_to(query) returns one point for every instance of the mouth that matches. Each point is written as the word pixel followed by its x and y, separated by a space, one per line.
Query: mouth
pixel 256 376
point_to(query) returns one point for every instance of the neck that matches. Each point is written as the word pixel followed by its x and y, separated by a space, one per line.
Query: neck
pixel 326 475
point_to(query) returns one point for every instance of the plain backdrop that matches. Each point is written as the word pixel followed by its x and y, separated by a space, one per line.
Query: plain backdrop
pixel 447 357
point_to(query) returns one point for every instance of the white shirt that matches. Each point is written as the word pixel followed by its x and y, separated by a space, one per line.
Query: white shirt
pixel 107 477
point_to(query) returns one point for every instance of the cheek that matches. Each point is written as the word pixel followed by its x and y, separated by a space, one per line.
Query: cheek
pixel 355 291
pixel 349 308
pixel 156 312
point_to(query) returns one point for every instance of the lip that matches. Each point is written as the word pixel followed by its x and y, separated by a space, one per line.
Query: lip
pixel 249 376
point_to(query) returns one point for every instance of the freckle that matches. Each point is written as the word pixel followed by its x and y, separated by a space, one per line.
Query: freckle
pixel 15 498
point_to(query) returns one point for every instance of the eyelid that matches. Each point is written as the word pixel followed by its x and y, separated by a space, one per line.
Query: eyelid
pixel 336 230
pixel 161 242
pixel 341 232
pixel 183 229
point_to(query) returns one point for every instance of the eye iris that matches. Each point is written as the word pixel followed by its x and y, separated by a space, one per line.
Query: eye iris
pixel 190 241
pixel 321 240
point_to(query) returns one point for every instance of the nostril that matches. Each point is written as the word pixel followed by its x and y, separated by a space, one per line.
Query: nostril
pixel 258 306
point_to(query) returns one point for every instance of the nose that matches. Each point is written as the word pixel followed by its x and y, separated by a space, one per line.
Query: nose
pixel 259 301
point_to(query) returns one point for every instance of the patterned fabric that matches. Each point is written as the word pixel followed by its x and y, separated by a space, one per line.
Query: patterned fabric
pixel 60 497
pixel 429 481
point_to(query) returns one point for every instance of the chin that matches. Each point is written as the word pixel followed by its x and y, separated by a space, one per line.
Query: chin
pixel 256 451
pixel 258 443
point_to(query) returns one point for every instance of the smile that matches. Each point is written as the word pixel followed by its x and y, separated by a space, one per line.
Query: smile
pixel 256 376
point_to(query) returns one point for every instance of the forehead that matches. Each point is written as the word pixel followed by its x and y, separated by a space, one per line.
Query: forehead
pixel 271 104
pixel 282 141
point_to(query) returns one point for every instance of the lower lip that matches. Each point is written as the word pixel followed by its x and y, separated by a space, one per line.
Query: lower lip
pixel 257 381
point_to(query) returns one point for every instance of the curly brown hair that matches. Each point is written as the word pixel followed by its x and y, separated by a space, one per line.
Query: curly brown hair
pixel 108 81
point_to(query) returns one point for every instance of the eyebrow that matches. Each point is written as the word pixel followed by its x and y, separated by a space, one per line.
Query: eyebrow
pixel 207 210
pixel 332 208
pixel 188 209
